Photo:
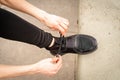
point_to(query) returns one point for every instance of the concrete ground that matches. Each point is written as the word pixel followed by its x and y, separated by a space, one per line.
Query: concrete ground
pixel 18 53
pixel 101 19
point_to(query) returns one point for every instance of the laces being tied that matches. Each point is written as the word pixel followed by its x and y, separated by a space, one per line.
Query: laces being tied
pixel 60 46
pixel 76 44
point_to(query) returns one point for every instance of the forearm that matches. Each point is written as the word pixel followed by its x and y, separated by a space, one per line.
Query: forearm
pixel 13 71
pixel 47 67
pixel 24 6
pixel 52 21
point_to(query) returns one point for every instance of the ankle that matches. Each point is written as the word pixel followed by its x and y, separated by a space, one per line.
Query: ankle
pixel 52 43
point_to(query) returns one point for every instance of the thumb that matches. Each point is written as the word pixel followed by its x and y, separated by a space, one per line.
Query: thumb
pixel 55 60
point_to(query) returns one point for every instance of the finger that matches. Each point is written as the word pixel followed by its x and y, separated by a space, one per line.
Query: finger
pixel 60 60
pixel 61 30
pixel 59 67
pixel 55 60
pixel 65 21
pixel 64 26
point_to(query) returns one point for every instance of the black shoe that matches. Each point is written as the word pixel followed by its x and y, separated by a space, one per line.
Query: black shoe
pixel 77 44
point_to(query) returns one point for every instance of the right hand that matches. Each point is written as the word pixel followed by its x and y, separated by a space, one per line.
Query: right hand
pixel 49 66
pixel 56 23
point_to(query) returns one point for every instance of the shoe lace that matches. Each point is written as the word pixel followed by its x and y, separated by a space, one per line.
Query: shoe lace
pixel 60 44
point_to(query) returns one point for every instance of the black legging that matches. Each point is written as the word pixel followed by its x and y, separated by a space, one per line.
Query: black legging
pixel 14 28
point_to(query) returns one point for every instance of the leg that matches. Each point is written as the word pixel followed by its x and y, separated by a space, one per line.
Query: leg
pixel 14 28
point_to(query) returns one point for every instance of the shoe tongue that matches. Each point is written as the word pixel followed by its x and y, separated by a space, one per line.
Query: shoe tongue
pixel 61 44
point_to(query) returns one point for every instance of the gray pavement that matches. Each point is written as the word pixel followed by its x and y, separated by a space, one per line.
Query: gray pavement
pixel 18 53
pixel 101 19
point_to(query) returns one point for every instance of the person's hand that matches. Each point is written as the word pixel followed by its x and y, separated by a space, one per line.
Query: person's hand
pixel 56 23
pixel 49 66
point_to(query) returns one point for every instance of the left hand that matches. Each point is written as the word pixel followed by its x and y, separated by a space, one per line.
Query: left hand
pixel 49 66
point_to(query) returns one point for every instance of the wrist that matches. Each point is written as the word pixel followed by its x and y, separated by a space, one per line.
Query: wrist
pixel 33 69
pixel 42 15
pixel 26 70
pixel 38 14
